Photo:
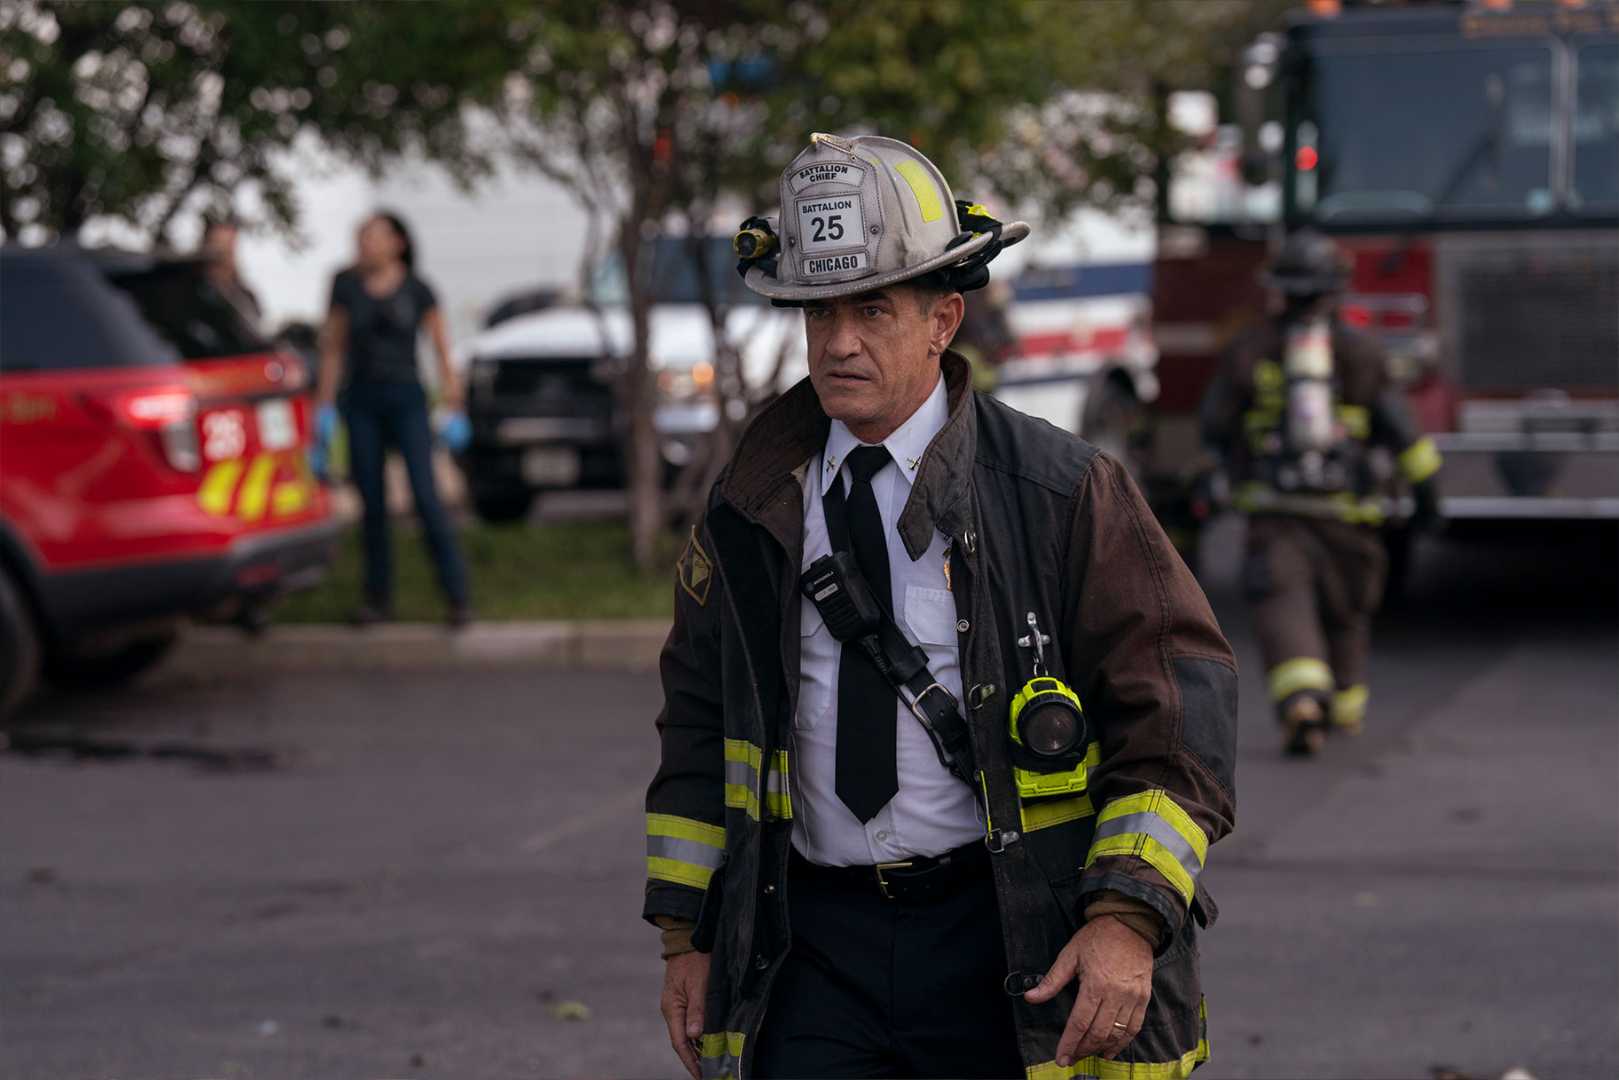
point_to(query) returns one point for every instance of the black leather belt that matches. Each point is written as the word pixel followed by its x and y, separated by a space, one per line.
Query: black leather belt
pixel 913 880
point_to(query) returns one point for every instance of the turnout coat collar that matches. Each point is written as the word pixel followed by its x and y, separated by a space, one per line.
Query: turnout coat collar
pixel 786 434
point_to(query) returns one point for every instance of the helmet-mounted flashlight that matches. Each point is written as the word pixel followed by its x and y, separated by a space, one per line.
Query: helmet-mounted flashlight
pixel 753 243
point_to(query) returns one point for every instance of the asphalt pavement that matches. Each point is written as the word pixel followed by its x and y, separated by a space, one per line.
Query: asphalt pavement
pixel 437 874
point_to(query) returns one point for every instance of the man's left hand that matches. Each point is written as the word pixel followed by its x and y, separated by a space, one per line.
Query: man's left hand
pixel 1114 967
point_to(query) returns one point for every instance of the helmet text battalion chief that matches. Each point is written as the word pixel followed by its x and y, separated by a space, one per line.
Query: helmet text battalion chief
pixel 864 212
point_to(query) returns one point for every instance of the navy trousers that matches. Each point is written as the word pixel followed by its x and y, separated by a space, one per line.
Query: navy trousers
pixel 380 415
pixel 874 988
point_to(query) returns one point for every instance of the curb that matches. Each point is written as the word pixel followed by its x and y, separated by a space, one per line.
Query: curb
pixel 626 645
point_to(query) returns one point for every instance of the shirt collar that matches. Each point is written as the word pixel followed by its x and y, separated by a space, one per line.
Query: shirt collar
pixel 906 444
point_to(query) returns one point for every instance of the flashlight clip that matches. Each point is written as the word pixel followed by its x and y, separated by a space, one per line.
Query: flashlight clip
pixel 1037 641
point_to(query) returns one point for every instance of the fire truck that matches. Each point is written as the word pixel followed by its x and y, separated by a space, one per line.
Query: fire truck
pixel 1466 157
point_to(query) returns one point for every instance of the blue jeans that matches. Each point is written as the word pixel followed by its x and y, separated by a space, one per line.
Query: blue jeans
pixel 379 414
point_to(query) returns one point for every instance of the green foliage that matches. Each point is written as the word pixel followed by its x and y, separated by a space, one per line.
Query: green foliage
pixel 139 110
pixel 564 571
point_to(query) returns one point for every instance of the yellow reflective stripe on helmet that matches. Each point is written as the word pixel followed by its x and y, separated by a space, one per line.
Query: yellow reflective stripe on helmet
pixel 721 1054
pixel 1349 707
pixel 742 782
pixel 1299 673
pixel 1151 826
pixel 923 187
pixel 255 493
pixel 683 850
pixel 1045 814
pixel 1420 460
pixel 1097 1068
pixel 214 494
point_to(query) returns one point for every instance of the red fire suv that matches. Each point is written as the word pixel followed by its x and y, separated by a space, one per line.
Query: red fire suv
pixel 152 465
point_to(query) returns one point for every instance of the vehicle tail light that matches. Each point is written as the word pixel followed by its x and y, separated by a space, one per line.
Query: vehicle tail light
pixel 168 413
pixel 1356 315
pixel 154 410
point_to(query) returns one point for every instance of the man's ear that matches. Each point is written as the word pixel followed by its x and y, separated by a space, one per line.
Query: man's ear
pixel 947 313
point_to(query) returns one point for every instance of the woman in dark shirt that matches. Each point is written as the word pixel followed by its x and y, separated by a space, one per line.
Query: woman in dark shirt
pixel 369 372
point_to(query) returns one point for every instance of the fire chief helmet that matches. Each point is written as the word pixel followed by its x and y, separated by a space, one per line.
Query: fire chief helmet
pixel 1309 264
pixel 863 212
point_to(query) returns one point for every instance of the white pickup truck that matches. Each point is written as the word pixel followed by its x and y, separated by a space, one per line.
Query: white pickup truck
pixel 540 386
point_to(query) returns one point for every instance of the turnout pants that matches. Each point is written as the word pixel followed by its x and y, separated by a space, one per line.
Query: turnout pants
pixel 1314 585
pixel 882 988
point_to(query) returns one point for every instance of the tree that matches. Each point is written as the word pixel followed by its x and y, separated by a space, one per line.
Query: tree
pixel 140 110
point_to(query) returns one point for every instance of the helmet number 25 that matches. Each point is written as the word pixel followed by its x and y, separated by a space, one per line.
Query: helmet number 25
pixel 824 229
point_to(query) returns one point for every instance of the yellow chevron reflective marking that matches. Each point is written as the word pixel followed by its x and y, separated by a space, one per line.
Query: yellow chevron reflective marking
pixel 923 187
pixel 255 493
pixel 1420 460
pixel 1096 1068
pixel 1043 815
pixel 218 486
pixel 1299 673
pixel 289 497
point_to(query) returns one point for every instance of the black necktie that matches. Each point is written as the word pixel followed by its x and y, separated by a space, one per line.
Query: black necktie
pixel 867 772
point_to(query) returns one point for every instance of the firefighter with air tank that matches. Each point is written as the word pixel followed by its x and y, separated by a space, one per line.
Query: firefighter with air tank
pixel 1315 440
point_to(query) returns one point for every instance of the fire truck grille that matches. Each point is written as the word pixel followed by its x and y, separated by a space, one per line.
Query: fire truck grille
pixel 1538 318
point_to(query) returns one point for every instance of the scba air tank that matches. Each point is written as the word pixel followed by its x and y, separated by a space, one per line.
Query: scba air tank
pixel 1311 425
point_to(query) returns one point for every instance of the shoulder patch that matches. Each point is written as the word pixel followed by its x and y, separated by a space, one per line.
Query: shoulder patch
pixel 695 570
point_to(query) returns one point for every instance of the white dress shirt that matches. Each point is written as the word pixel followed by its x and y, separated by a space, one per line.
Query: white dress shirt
pixel 933 812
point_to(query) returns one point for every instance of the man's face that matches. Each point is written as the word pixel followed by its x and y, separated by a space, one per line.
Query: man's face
pixel 874 358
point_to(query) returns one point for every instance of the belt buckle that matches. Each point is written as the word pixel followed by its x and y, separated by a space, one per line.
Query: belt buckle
pixel 882 882
pixel 917 709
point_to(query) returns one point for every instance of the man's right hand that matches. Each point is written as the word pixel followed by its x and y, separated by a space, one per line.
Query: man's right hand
pixel 685 987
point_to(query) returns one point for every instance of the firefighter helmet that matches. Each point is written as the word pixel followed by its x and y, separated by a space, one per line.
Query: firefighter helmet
pixel 1309 264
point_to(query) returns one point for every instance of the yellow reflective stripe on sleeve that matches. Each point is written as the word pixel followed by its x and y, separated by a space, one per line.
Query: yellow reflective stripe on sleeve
pixel 1356 419
pixel 721 1054
pixel 742 782
pixel 1096 1068
pixel 214 495
pixel 1151 826
pixel 1259 499
pixel 1349 707
pixel 1420 460
pixel 255 493
pixel 1044 815
pixel 683 850
pixel 1153 853
pixel 1158 803
pixel 1268 377
pixel 682 828
pixel 1299 673
pixel 923 187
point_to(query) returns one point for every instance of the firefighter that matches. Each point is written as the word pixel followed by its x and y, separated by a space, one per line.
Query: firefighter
pixel 948 727
pixel 1314 436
